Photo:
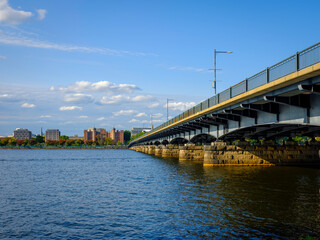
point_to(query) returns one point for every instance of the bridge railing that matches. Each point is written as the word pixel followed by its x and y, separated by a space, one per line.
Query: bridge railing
pixel 300 60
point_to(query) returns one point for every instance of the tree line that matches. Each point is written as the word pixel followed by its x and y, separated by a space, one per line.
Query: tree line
pixel 63 141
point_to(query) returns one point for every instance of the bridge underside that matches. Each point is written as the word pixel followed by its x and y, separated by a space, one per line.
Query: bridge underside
pixel 286 112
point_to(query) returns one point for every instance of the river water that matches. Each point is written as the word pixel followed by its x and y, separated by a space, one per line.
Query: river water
pixel 122 194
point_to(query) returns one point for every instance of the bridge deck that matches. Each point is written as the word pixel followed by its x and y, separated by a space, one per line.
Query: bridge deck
pixel 270 85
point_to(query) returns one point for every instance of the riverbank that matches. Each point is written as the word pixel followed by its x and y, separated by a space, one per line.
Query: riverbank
pixel 69 147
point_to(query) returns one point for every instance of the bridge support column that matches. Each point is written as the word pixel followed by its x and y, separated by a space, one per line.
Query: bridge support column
pixel 170 151
pixel 191 152
pixel 267 154
pixel 151 150
pixel 158 150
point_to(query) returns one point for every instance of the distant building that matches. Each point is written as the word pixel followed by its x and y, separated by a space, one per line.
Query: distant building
pixel 22 133
pixel 90 134
pixel 75 137
pixel 52 134
pixel 94 133
pixel 117 135
pixel 135 131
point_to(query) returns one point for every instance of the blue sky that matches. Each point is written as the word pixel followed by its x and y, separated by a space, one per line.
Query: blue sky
pixel 77 64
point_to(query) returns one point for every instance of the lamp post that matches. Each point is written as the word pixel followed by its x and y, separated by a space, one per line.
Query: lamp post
pixel 151 115
pixel 168 99
pixel 214 84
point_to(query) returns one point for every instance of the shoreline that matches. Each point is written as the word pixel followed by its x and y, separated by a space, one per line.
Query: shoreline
pixel 36 147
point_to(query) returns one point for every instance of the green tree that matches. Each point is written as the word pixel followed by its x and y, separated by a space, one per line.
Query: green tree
pixel 136 136
pixel 98 138
pixel 12 142
pixel 25 142
pixel 52 143
pixel 62 142
pixel 79 142
pixel 126 136
pixel 108 141
pixel 119 143
pixel 64 137
pixel 4 141
pixel 32 142
pixel 89 142
pixel 20 142
pixel 40 139
pixel 69 142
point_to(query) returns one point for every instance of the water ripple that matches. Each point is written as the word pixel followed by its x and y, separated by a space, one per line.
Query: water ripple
pixel 121 194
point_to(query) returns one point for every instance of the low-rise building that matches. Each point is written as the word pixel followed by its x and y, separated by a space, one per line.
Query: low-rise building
pixel 52 134
pixel 22 133
pixel 135 130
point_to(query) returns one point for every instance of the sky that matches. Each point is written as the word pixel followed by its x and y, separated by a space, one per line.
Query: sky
pixel 78 64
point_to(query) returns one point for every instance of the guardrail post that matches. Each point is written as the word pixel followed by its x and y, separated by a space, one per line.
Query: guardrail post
pixel 230 91
pixel 298 60
pixel 246 84
pixel 267 75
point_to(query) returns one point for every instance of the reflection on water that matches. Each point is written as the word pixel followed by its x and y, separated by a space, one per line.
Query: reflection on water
pixel 121 194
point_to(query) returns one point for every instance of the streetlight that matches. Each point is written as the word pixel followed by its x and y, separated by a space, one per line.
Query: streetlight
pixel 151 115
pixel 168 99
pixel 214 84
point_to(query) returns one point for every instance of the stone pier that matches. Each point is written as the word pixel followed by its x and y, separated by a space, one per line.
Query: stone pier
pixel 158 151
pixel 191 152
pixel 170 151
pixel 151 150
pixel 240 154
pixel 221 154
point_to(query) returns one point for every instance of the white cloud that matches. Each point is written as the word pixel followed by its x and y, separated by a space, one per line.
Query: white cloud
pixel 10 16
pixel 101 118
pixel 124 113
pixel 153 105
pixel 105 86
pixel 45 116
pixel 83 117
pixel 141 114
pixel 34 43
pixel 70 108
pixel 41 14
pixel 157 115
pixel 194 69
pixel 141 98
pixel 134 120
pixel 114 99
pixel 3 57
pixel 52 88
pixel 9 98
pixel 181 106
pixel 102 86
pixel 28 105
pixel 78 98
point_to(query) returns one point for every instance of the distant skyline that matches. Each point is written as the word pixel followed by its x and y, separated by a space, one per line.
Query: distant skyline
pixel 76 64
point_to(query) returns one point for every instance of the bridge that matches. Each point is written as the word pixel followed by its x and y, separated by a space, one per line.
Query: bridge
pixel 282 100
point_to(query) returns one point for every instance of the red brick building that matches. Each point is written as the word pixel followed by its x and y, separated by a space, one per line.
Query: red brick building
pixel 95 133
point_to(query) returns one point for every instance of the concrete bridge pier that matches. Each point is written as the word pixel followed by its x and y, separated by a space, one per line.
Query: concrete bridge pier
pixel 191 152
pixel 170 151
pixel 151 150
pixel 158 150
